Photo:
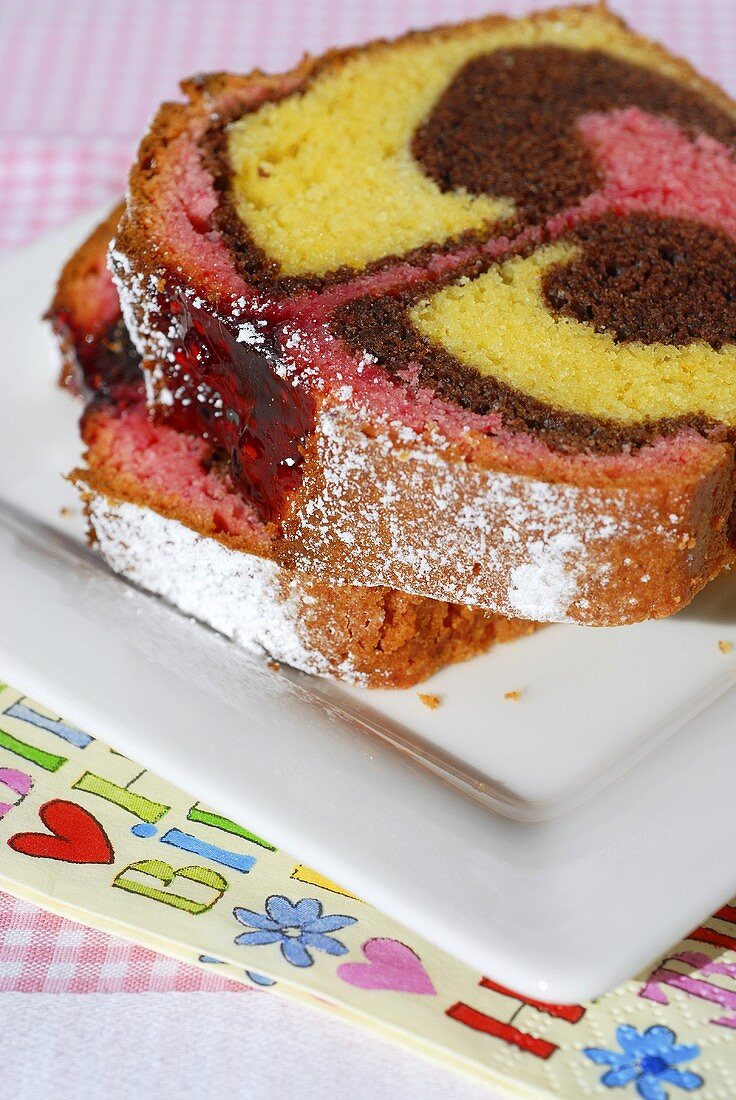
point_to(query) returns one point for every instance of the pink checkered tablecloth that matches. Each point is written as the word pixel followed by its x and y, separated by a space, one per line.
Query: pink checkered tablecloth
pixel 79 80
pixel 43 953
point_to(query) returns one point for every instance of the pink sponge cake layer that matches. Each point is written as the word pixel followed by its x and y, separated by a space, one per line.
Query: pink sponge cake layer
pixel 647 163
pixel 172 469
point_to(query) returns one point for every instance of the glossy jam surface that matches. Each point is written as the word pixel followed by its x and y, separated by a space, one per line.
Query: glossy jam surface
pixel 222 385
pixel 105 364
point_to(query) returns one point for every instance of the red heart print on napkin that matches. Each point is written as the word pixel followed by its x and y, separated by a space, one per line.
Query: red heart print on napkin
pixel 391 965
pixel 75 836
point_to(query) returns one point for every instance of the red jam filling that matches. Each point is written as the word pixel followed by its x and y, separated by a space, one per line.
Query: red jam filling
pixel 106 365
pixel 227 391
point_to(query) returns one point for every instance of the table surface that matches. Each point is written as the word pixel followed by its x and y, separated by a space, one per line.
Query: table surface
pixel 79 81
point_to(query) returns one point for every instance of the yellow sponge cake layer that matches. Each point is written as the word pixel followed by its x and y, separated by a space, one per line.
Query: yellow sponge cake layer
pixel 500 325
pixel 326 178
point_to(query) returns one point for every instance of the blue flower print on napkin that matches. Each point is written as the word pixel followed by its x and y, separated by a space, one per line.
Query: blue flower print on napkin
pixel 297 927
pixel 648 1058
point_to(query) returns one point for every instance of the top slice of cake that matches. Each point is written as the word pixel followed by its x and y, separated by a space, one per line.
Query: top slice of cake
pixel 479 282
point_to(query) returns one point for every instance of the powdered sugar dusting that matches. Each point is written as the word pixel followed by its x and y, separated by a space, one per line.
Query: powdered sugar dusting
pixel 509 543
pixel 245 597
pixel 545 586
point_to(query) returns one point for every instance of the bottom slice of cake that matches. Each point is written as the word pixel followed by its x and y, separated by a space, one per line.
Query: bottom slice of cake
pixel 164 515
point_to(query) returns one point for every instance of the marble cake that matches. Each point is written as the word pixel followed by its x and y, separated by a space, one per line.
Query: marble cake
pixel 459 308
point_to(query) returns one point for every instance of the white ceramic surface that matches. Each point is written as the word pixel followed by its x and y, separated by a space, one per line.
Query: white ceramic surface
pixel 597 831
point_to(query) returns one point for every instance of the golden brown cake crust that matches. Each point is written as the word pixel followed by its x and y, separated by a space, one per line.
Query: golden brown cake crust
pixel 619 550
pixel 82 265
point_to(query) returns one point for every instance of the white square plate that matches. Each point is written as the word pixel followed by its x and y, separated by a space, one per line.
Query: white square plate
pixel 558 843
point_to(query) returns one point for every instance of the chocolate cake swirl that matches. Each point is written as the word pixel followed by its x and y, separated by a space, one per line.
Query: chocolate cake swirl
pixel 506 123
pixel 637 278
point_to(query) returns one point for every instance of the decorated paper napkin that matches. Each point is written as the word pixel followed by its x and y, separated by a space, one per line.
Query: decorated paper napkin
pixel 88 833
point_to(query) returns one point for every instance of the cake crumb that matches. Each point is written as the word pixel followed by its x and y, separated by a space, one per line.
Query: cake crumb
pixel 513 695
pixel 275 666
pixel 431 701
pixel 65 512
pixel 725 647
